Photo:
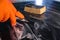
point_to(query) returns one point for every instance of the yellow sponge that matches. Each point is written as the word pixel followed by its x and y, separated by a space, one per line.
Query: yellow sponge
pixel 34 10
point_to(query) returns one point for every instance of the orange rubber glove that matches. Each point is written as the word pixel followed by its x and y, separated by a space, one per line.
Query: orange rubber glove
pixel 8 11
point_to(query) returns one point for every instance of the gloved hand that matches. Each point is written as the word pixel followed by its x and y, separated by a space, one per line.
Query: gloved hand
pixel 8 11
